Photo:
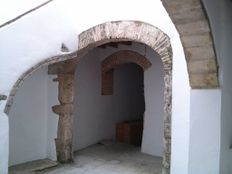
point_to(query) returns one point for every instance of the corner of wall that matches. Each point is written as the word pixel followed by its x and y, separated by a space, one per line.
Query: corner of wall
pixel 4 145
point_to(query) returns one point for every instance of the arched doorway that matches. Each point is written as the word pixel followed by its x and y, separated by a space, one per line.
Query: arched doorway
pixel 98 35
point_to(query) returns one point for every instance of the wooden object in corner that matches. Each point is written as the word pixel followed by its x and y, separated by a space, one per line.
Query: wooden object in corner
pixel 130 132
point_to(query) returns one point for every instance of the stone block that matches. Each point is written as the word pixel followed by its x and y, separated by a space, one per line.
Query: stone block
pixel 167 130
pixel 176 6
pixel 197 40
pixel 202 66
pixel 193 15
pixel 204 81
pixel 63 109
pixel 65 67
pixel 199 53
pixel 65 88
pixel 195 27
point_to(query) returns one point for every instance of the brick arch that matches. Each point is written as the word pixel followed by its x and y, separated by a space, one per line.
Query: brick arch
pixel 193 26
pixel 115 59
pixel 125 56
pixel 114 32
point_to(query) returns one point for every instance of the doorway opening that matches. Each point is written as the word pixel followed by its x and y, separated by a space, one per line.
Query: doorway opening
pixel 117 31
pixel 109 109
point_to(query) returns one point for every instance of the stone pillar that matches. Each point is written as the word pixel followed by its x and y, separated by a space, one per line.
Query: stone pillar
pixel 167 121
pixel 64 140
pixel 65 76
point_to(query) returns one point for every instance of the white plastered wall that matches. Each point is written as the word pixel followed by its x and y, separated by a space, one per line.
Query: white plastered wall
pixel 204 145
pixel 94 120
pixel 32 125
pixel 34 41
pixel 219 13
pixel 101 113
pixel 96 115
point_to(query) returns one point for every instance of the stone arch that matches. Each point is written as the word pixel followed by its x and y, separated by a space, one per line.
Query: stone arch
pixel 193 26
pixel 114 32
pixel 125 56
pixel 118 58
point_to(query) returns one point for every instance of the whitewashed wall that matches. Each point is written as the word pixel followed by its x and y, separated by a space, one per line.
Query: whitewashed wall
pixel 222 31
pixel 104 112
pixel 95 115
pixel 33 42
pixel 204 146
pixel 31 125
pixel 52 118
pixel 4 137
pixel 154 99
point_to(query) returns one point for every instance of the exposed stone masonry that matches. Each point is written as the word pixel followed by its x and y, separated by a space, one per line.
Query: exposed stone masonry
pixel 125 56
pixel 120 57
pixel 193 26
pixel 65 77
pixel 29 72
pixel 158 41
pixel 98 35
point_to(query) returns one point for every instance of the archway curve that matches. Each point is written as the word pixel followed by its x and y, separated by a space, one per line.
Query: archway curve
pixel 125 56
pixel 122 31
pixel 119 58
pixel 192 23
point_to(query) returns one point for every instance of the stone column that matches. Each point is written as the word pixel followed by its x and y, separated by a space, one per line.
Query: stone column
pixel 167 121
pixel 65 76
pixel 64 138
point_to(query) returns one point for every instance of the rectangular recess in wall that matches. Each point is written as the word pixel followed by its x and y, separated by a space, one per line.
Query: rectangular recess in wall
pixel 107 82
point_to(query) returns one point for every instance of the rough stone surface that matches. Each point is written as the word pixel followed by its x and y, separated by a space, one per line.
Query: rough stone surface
pixel 64 140
pixel 203 80
pixel 63 109
pixel 197 40
pixel 180 6
pixel 193 26
pixel 65 88
pixel 120 57
pixel 199 53
pixel 125 56
pixel 65 67
pixel 202 66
